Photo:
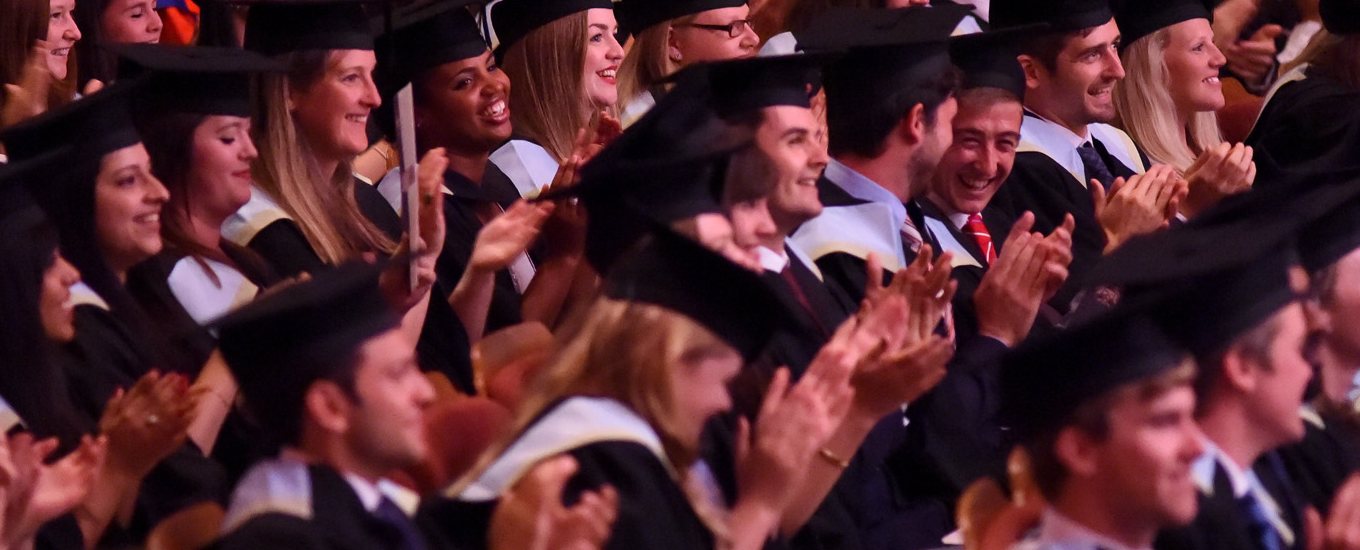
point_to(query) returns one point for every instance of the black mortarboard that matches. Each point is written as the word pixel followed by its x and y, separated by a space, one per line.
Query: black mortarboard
pixel 988 59
pixel 427 37
pixel 747 85
pixel 1212 283
pixel 512 20
pixel 276 27
pixel 1139 18
pixel 1333 235
pixel 17 208
pixel 90 126
pixel 1061 15
pixel 280 344
pixel 1340 16
pixel 668 166
pixel 191 79
pixel 678 274
pixel 636 16
pixel 884 49
pixel 1045 380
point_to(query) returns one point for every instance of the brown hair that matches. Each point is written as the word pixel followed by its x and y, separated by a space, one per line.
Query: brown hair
pixel 647 62
pixel 1045 47
pixel 1092 417
pixel 322 204
pixel 548 68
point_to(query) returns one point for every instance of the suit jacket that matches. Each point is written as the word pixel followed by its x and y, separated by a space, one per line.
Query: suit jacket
pixel 968 271
pixel 1220 524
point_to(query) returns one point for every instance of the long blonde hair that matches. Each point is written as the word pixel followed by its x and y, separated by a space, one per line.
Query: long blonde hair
pixel 322 204
pixel 1148 112
pixel 628 352
pixel 647 61
pixel 548 67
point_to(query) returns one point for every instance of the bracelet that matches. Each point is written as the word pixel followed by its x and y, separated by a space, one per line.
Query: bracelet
pixel 832 459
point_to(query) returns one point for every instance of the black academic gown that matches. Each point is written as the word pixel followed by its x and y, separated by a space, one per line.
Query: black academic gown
pixel 810 324
pixel 443 345
pixel 1328 454
pixel 970 277
pixel 462 226
pixel 653 513
pixel 903 483
pixel 1220 525
pixel 1308 125
pixel 1040 185
pixel 339 522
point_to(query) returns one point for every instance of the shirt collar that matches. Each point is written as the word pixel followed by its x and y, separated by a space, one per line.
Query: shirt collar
pixel 861 187
pixel 773 261
pixel 1056 142
pixel 1213 458
pixel 368 493
pixel 1058 528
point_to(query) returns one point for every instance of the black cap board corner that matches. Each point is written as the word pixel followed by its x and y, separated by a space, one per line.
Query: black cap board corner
pixel 86 128
pixel 1060 15
pixel 275 27
pixel 512 20
pixel 1340 16
pixel 425 36
pixel 280 344
pixel 1140 18
pixel 679 274
pixel 636 16
pixel 988 59
pixel 194 79
pixel 1046 379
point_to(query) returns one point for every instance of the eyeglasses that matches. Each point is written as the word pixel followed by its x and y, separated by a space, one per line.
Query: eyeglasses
pixel 734 29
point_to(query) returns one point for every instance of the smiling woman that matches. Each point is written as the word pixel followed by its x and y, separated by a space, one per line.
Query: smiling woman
pixel 49 26
pixel 112 22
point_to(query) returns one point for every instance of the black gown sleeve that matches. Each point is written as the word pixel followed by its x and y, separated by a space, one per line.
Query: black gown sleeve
pixel 283 245
pixel 653 510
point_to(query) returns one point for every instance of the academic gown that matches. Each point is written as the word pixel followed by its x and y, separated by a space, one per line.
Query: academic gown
pixel 462 199
pixel 902 485
pixel 796 343
pixel 1328 454
pixel 969 264
pixel 174 285
pixel 303 508
pixel 1310 122
pixel 102 359
pixel 612 445
pixel 1221 525
pixel 526 164
pixel 1042 185
pixel 267 230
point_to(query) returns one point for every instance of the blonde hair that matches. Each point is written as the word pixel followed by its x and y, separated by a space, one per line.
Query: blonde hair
pixel 1148 112
pixel 647 62
pixel 322 204
pixel 548 67
pixel 628 352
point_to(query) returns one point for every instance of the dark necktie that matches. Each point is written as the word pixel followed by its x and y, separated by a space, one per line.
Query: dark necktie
pixel 1262 531
pixel 798 294
pixel 390 515
pixel 1095 166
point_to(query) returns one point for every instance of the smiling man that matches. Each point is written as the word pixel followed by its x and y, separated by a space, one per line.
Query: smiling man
pixel 1066 141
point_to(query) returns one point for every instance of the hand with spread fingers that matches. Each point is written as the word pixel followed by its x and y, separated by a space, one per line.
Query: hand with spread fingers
pixel 1141 204
pixel 28 97
pixel 531 516
pixel 509 235
pixel 41 492
pixel 1224 170
pixel 148 422
pixel 1008 299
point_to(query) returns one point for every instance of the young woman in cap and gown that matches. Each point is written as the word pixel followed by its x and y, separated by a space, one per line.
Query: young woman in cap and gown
pixel 670 35
pixel 563 59
pixel 105 205
pixel 111 22
pixel 1310 119
pixel 462 104
pixel 1170 94
pixel 35 53
pixel 307 211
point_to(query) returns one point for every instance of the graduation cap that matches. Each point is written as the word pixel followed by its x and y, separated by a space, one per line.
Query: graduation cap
pixel 512 20
pixel 1340 16
pixel 668 166
pixel 195 79
pixel 636 16
pixel 426 37
pixel 18 211
pixel 1212 282
pixel 747 85
pixel 1061 15
pixel 278 345
pixel 988 59
pixel 1334 235
pixel 276 27
pixel 678 274
pixel 88 127
pixel 884 49
pixel 1139 18
pixel 1045 380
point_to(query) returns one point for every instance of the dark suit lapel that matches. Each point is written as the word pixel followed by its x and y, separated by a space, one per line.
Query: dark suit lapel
pixel 829 313
pixel 929 209
pixel 341 517
pixel 1117 168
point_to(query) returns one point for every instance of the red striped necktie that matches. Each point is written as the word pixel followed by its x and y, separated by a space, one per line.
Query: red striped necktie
pixel 978 230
